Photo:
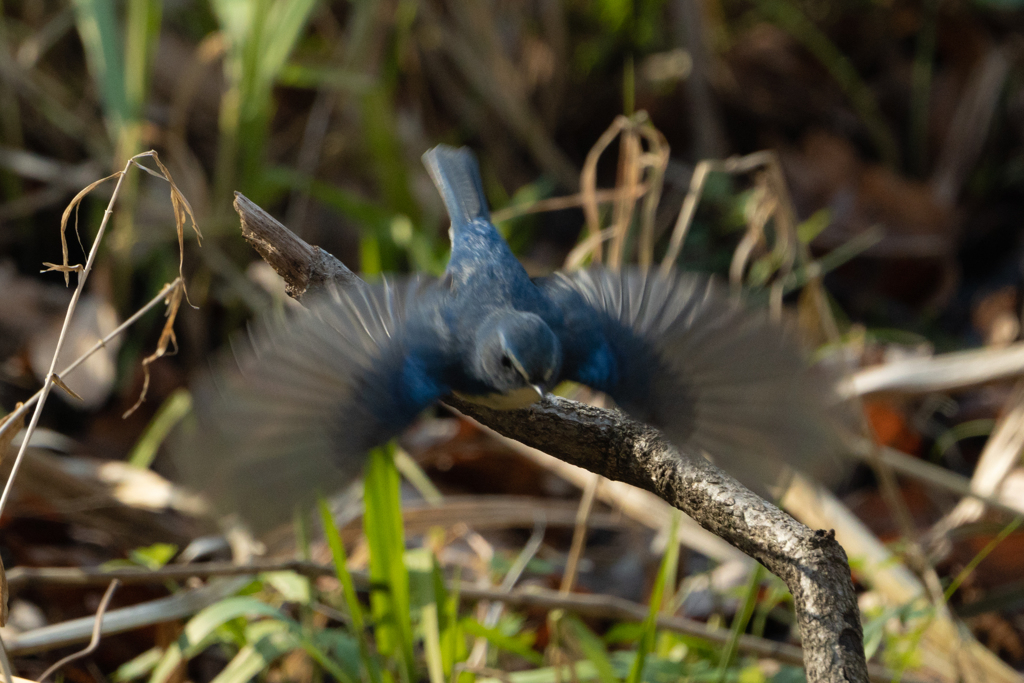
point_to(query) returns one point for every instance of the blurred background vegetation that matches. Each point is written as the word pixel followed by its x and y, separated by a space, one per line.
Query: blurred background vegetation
pixel 899 126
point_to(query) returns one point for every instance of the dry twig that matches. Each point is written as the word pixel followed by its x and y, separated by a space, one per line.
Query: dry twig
pixel 182 210
pixel 177 606
pixel 83 275
pixel 94 642
pixel 945 372
pixel 22 408
pixel 1001 454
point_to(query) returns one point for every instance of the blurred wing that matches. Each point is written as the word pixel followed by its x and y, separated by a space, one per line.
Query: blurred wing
pixel 306 397
pixel 680 354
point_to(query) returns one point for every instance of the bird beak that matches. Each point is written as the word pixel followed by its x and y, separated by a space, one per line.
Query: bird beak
pixel 540 390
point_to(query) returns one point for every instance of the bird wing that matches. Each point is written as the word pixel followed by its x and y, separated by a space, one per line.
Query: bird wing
pixel 680 354
pixel 307 395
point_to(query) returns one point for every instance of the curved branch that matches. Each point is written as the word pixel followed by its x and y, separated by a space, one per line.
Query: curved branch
pixel 811 563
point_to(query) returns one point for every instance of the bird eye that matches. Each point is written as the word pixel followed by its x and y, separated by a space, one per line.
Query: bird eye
pixel 506 361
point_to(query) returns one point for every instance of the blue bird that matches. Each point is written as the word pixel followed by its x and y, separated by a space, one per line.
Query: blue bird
pixel 314 391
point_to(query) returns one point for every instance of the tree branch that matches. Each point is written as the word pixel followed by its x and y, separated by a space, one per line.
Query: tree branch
pixel 811 563
pixel 302 266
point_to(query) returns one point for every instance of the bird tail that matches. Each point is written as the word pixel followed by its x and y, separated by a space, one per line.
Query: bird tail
pixel 457 176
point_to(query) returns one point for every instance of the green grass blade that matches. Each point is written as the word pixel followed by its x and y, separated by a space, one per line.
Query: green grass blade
pixel 142 33
pixel 740 621
pixel 101 39
pixel 329 665
pixel 167 665
pixel 432 643
pixel 316 77
pixel 347 203
pixel 348 589
pixel 286 21
pixel 387 152
pixel 340 559
pixel 267 641
pixel 666 576
pixel 261 34
pixel 580 671
pixel 203 628
pixel 203 624
pixel 170 413
pixel 386 234
pixel 593 648
pixel 248 662
pixel 453 636
pixel 138 666
pixel 980 557
pixel 382 524
pixel 417 478
pixel 501 641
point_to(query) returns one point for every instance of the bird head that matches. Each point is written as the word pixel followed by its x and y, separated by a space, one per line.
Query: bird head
pixel 516 351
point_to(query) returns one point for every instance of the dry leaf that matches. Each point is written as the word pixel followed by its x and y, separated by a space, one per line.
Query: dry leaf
pixel 167 337
pixel 640 176
pixel 73 206
pixel 182 210
pixel 60 383
pixel 588 188
pixel 77 268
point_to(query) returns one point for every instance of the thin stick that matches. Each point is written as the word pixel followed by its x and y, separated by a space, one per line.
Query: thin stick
pixel 49 382
pixel 579 534
pixel 479 653
pixel 97 632
pixel 519 566
pixel 930 474
pixel 163 293
pixel 588 187
pixel 943 372
pixel 736 165
pixel 5 664
pixel 657 165
pixel 999 457
pixel 21 577
pixel 605 196
pixel 686 214
pixel 178 606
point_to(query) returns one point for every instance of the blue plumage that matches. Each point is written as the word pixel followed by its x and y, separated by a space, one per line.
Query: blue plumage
pixel 492 329
pixel 319 389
